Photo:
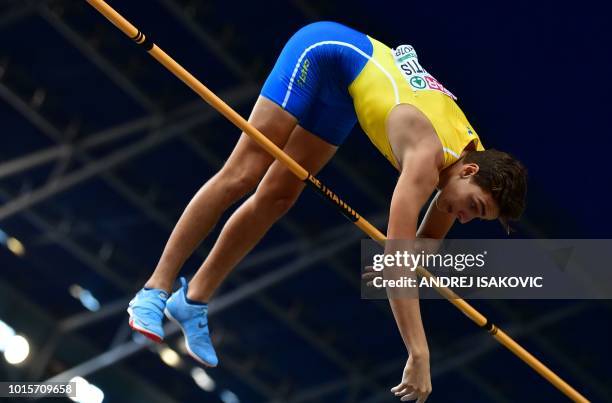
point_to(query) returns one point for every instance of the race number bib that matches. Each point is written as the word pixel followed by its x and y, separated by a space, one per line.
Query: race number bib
pixel 407 61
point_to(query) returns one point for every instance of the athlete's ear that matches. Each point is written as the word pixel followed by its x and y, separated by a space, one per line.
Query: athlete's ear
pixel 468 169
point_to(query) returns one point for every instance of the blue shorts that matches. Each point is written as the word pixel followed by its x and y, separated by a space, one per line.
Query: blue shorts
pixel 311 77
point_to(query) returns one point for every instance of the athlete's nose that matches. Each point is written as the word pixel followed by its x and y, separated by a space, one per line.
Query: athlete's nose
pixel 464 217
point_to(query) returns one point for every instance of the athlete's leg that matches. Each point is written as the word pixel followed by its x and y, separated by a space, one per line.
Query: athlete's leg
pixel 239 175
pixel 276 193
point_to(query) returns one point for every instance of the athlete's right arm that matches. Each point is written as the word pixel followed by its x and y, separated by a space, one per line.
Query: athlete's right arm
pixel 416 182
pixel 414 186
pixel 419 159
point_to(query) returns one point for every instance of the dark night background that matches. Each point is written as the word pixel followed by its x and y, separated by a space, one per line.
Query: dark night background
pixel 532 78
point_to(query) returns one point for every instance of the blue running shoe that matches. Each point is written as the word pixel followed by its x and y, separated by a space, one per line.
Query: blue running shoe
pixel 193 321
pixel 146 313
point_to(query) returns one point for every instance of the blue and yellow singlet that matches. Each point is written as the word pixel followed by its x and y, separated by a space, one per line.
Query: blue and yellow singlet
pixel 330 76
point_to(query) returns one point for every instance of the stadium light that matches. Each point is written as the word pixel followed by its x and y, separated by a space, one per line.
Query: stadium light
pixel 169 356
pixel 86 392
pixel 16 349
pixel 202 379
pixel 6 332
pixel 13 244
pixel 227 396
pixel 85 296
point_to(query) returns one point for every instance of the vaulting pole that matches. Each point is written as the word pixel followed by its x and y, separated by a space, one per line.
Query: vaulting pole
pixel 213 100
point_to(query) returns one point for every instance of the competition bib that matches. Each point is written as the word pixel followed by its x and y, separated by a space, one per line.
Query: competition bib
pixel 407 61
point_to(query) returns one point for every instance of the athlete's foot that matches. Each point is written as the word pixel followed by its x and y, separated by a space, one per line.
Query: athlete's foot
pixel 146 313
pixel 192 318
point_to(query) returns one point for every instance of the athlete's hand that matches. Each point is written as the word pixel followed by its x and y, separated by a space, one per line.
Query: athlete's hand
pixel 369 274
pixel 416 381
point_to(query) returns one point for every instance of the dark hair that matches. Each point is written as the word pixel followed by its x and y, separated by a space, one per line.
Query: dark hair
pixel 504 177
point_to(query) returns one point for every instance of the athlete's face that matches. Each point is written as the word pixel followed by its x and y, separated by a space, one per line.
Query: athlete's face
pixel 464 199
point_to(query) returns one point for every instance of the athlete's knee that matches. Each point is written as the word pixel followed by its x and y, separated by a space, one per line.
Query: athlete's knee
pixel 276 201
pixel 237 182
pixel 278 205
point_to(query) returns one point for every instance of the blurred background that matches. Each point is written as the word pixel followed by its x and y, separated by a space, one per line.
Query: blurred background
pixel 102 148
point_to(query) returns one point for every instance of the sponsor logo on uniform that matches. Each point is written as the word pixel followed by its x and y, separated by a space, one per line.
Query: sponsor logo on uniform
pixel 417 77
pixel 303 73
pixel 418 83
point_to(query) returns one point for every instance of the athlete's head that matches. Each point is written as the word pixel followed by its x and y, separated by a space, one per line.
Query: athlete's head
pixel 486 184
